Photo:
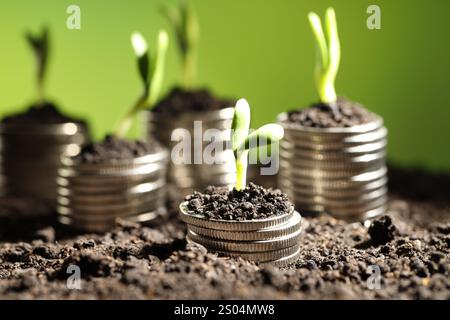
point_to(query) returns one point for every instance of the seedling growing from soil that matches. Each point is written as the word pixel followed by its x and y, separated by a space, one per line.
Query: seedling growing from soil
pixel 328 56
pixel 151 71
pixel 40 45
pixel 242 142
pixel 184 22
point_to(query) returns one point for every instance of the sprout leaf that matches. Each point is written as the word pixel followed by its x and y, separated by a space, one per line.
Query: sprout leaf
pixel 242 142
pixel 151 71
pixel 40 46
pixel 329 55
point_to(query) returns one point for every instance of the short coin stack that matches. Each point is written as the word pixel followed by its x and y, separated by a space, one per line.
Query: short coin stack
pixel 273 240
pixel 341 171
pixel 92 196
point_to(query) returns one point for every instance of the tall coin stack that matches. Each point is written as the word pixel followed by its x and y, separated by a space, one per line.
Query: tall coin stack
pixel 31 156
pixel 274 240
pixel 196 173
pixel 341 171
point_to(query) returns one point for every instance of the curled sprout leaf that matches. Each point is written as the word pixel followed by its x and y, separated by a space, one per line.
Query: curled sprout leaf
pixel 151 71
pixel 140 48
pixel 185 24
pixel 40 46
pixel 329 55
pixel 242 142
pixel 240 124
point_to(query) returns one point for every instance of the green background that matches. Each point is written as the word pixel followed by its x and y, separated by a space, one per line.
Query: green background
pixel 261 50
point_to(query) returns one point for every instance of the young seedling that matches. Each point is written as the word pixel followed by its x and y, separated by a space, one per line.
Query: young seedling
pixel 151 71
pixel 242 142
pixel 40 45
pixel 184 22
pixel 328 56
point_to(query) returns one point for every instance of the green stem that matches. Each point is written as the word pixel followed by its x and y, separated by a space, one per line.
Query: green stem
pixel 126 121
pixel 40 93
pixel 189 69
pixel 327 92
pixel 241 170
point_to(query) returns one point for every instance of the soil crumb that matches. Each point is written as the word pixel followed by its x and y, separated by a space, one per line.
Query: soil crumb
pixel 382 230
pixel 321 115
pixel 253 202
pixel 179 101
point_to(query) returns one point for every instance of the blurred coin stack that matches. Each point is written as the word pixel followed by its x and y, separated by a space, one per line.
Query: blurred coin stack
pixel 31 156
pixel 92 196
pixel 274 240
pixel 341 171
pixel 191 170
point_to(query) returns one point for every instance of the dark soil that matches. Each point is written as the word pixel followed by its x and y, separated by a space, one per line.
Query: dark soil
pixel 411 250
pixel 253 202
pixel 48 113
pixel 179 101
pixel 113 149
pixel 322 116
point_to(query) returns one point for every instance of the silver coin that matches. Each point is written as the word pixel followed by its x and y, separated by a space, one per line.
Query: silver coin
pixel 284 262
pixel 103 225
pixel 246 246
pixel 339 199
pixel 291 226
pixel 68 128
pixel 305 141
pixel 247 225
pixel 258 256
pixel 318 189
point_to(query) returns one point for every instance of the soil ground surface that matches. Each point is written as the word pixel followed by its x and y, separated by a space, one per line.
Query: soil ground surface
pixel 410 249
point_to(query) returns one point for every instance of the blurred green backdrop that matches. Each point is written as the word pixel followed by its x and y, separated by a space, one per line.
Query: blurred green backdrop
pixel 261 50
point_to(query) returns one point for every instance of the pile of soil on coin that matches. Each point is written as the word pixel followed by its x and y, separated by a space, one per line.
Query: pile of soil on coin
pixel 47 113
pixel 180 100
pixel 337 260
pixel 322 116
pixel 250 203
pixel 113 149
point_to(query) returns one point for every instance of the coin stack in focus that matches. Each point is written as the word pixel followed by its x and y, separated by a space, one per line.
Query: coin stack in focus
pixel 341 171
pixel 92 196
pixel 274 240
pixel 31 156
pixel 189 168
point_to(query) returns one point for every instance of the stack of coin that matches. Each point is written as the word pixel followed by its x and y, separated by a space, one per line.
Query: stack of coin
pixel 190 168
pixel 341 171
pixel 31 156
pixel 273 240
pixel 92 196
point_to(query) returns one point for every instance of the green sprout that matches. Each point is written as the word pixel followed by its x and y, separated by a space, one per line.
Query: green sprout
pixel 151 71
pixel 40 45
pixel 329 55
pixel 185 24
pixel 242 142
